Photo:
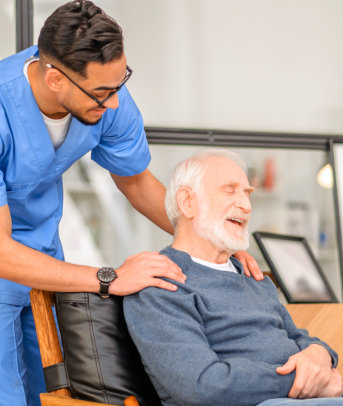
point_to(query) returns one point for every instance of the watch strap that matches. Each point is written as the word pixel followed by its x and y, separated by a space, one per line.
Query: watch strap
pixel 104 290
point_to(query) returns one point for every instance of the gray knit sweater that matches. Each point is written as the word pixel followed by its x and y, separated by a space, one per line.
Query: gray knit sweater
pixel 217 340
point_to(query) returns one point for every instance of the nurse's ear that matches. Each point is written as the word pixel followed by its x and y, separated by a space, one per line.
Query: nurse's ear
pixel 54 79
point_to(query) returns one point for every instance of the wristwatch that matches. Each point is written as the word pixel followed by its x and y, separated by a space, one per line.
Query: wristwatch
pixel 106 276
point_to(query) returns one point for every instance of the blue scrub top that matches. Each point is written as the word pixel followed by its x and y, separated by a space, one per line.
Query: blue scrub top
pixel 31 170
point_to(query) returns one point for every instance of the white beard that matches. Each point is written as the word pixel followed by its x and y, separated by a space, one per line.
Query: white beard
pixel 215 232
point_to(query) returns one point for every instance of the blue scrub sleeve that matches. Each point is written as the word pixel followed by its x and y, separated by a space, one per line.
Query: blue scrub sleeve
pixel 3 194
pixel 123 148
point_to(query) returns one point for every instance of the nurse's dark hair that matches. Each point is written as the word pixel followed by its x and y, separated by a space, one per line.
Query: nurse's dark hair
pixel 80 32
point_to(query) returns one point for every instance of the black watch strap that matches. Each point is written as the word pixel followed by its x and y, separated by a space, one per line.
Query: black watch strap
pixel 104 290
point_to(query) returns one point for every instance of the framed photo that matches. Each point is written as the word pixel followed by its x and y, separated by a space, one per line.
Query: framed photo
pixel 295 268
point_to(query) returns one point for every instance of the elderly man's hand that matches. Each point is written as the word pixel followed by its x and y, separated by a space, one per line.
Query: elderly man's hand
pixel 250 265
pixel 313 368
pixel 335 386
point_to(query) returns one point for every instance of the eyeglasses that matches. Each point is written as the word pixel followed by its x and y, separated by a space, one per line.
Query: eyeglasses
pixel 99 102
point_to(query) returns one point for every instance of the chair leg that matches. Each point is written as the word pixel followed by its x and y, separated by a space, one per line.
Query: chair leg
pixel 131 401
pixel 49 399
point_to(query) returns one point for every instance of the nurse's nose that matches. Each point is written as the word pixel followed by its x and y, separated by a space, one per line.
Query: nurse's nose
pixel 112 102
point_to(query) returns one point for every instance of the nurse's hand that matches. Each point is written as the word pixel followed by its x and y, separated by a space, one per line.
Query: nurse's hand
pixel 250 265
pixel 146 269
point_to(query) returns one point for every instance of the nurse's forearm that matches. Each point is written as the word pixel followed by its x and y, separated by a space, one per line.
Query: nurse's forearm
pixel 29 267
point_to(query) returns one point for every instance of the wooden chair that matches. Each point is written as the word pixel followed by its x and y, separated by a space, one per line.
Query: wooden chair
pixel 51 352
pixel 324 321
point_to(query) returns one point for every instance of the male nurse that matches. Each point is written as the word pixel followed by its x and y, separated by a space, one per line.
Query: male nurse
pixel 59 101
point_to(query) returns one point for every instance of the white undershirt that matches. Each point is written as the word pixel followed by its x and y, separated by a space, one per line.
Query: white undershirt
pixel 57 128
pixel 227 267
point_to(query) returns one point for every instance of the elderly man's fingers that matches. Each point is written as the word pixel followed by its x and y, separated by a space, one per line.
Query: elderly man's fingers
pixel 296 391
pixel 305 386
pixel 334 388
pixel 287 368
pixel 313 371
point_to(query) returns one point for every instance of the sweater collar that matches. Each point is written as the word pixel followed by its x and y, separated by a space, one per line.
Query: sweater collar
pixel 172 252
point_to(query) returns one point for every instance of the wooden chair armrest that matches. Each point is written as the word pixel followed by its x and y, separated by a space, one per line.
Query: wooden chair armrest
pixel 50 399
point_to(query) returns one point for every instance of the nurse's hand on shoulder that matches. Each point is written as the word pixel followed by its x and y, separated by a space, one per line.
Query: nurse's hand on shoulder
pixel 146 269
pixel 250 265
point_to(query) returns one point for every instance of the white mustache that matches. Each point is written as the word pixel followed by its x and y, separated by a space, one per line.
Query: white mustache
pixel 236 214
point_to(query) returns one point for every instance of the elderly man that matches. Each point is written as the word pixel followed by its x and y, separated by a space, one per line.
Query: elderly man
pixel 223 338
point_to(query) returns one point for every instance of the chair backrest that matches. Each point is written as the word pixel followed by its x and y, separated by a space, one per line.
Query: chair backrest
pixel 100 362
pixel 324 320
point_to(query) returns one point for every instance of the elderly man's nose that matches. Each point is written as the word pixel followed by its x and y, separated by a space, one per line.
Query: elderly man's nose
pixel 244 203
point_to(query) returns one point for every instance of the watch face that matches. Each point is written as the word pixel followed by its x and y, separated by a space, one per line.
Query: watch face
pixel 106 275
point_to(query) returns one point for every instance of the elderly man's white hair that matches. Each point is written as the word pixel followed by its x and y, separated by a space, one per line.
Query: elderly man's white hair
pixel 189 173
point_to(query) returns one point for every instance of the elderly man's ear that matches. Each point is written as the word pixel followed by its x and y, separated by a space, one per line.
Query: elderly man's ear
pixel 187 202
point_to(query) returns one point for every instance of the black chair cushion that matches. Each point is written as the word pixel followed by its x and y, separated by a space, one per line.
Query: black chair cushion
pixel 102 363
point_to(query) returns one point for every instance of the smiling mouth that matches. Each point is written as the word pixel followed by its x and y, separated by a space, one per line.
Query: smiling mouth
pixel 236 221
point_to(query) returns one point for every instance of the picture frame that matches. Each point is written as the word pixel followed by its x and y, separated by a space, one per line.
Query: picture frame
pixel 295 268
